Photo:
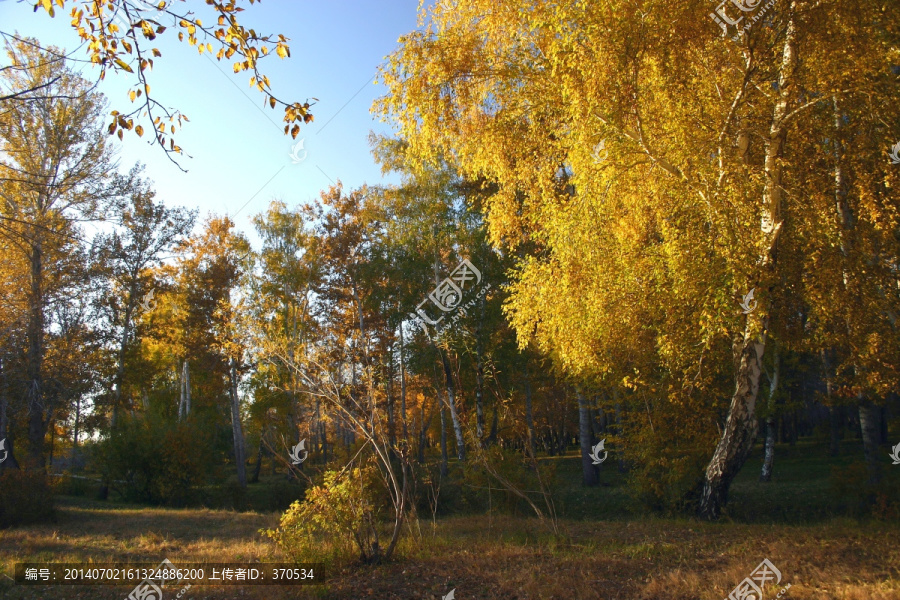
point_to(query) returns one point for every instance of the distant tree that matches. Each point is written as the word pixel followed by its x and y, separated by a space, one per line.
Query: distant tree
pixel 147 231
pixel 56 172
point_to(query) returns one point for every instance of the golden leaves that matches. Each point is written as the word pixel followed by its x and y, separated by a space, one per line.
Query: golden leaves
pixel 103 26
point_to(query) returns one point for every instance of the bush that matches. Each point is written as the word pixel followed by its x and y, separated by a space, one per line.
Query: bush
pixel 343 515
pixel 25 497
pixel 156 461
pixel 668 460
pixel 860 498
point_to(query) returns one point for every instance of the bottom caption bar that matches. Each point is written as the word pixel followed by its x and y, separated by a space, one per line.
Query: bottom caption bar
pixel 167 573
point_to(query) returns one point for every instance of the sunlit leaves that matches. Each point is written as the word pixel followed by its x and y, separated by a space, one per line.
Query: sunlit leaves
pixel 113 32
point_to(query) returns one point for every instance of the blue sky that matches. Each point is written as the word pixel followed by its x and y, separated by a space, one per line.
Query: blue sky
pixel 241 157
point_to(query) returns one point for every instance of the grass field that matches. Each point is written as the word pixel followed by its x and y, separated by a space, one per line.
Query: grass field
pixel 608 550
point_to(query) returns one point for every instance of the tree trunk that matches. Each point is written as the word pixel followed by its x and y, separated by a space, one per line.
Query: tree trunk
pixel 50 458
pixel 769 459
pixel 738 435
pixel 317 431
pixel 529 411
pixel 236 429
pixel 562 437
pixel 868 423
pixel 120 366
pixel 35 361
pixel 444 454
pixel 392 438
pixel 620 447
pixel 588 470
pixel 259 454
pixel 836 413
pixel 479 378
pixel 403 385
pixel 598 422
pixel 184 406
pixel 75 432
pixel 423 430
pixel 495 424
pixel 451 403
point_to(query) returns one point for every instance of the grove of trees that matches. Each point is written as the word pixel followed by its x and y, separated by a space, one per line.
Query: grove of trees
pixel 620 187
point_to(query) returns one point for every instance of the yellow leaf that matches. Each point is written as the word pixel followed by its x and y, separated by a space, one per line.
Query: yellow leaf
pixel 139 130
pixel 123 65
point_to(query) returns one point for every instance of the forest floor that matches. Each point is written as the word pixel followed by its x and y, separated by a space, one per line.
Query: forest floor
pixel 500 556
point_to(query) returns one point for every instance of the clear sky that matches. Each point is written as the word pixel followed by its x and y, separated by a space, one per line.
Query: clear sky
pixel 241 159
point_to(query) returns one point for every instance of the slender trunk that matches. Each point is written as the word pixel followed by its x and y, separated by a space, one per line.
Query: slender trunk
pixel 403 385
pixel 479 378
pixel 444 454
pixel 323 434
pixel 529 417
pixel 259 454
pixel 392 439
pixel 184 406
pixel 563 437
pixel 769 460
pixel 495 424
pixel 52 438
pixel 448 377
pixel 451 404
pixel 620 447
pixel 75 432
pixel 236 429
pixel 836 413
pixel 120 366
pixel 588 470
pixel 420 456
pixel 317 431
pixel 36 423
pixel 868 423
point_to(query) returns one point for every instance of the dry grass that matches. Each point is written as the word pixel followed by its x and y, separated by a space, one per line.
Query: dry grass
pixel 500 557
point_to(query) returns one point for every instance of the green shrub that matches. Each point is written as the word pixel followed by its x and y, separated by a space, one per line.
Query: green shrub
pixel 25 497
pixel 156 461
